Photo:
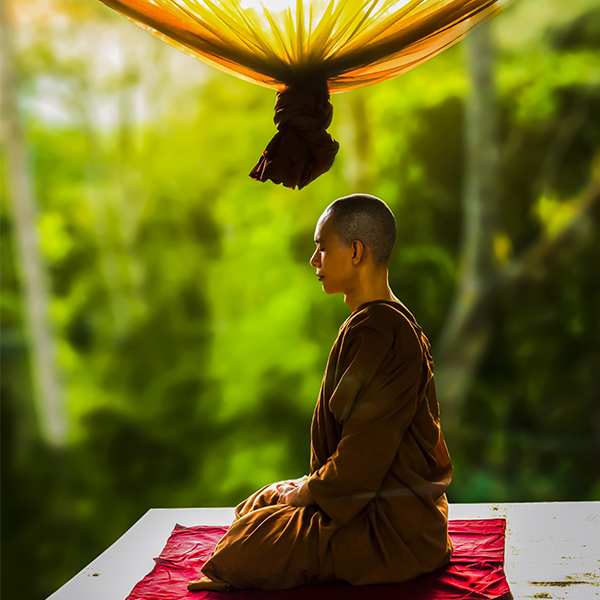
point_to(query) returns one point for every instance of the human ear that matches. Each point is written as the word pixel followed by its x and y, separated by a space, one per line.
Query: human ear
pixel 357 251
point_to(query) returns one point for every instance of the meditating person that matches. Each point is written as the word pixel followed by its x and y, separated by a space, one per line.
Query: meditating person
pixel 373 509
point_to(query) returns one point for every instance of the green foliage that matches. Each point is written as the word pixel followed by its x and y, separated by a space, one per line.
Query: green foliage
pixel 192 334
pixel 530 423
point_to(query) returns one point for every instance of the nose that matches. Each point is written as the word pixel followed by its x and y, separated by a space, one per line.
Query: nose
pixel 314 259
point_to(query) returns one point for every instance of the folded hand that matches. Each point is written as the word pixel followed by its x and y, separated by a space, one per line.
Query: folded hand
pixel 295 493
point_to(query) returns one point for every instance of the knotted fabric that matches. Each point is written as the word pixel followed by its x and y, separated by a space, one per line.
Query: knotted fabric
pixel 302 149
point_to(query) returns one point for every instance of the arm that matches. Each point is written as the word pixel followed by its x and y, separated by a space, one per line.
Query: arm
pixel 375 400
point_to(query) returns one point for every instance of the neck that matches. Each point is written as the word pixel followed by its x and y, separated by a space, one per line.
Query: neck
pixel 370 287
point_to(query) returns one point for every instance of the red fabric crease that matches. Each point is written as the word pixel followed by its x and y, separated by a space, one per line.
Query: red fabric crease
pixel 475 572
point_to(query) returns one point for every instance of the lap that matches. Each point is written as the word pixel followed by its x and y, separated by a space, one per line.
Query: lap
pixel 267 496
pixel 273 546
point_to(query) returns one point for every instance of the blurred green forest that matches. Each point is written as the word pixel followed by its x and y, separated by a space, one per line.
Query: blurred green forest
pixel 190 332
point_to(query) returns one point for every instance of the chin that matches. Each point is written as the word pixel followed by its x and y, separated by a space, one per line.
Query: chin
pixel 331 292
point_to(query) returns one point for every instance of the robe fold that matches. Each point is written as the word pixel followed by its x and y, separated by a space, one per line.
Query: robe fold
pixel 379 472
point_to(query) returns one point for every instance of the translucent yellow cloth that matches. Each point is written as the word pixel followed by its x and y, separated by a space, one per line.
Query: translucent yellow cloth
pixel 302 45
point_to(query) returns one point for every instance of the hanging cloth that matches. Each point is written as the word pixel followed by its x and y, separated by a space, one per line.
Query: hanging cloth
pixel 305 50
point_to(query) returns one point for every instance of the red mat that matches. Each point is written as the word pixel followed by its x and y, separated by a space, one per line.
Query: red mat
pixel 475 571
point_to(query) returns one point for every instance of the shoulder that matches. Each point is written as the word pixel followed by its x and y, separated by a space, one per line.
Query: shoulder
pixel 384 316
pixel 383 320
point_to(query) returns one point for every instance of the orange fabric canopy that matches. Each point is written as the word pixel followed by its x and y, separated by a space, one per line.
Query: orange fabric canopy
pixel 303 44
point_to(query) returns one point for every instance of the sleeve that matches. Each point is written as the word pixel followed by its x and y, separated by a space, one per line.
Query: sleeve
pixel 375 400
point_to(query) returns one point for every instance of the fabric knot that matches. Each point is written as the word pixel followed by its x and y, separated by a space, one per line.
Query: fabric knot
pixel 302 149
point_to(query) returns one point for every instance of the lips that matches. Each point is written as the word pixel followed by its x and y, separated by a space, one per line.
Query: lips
pixel 320 277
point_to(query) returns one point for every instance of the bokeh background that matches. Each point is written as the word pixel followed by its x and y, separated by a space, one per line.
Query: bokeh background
pixel 164 339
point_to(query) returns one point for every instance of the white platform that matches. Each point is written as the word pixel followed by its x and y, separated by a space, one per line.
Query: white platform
pixel 552 549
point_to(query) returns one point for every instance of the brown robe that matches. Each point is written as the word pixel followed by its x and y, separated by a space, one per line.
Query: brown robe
pixel 379 471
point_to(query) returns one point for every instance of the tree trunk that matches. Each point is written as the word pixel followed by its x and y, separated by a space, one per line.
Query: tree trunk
pixel 466 333
pixel 467 330
pixel 49 407
pixel 358 169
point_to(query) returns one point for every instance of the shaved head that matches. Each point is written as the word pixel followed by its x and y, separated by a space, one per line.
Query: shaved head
pixel 367 219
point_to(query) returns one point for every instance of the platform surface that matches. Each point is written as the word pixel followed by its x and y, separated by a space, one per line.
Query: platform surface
pixel 552 549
